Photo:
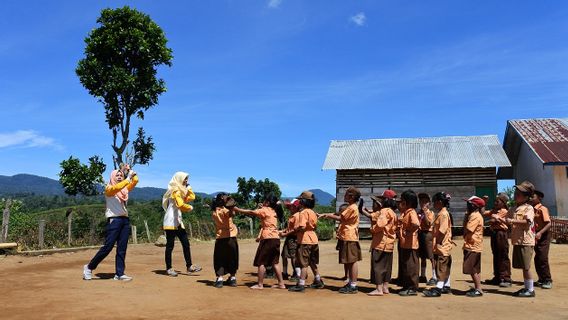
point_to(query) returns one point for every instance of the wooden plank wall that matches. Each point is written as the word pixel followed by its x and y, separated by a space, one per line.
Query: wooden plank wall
pixel 459 183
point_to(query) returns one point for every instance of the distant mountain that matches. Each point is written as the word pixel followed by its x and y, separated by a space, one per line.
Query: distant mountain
pixel 29 184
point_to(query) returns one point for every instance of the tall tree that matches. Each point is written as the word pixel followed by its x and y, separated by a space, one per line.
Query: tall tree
pixel 77 178
pixel 251 192
pixel 119 68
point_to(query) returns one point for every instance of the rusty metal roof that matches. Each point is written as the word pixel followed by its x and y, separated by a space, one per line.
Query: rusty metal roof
pixel 422 153
pixel 548 138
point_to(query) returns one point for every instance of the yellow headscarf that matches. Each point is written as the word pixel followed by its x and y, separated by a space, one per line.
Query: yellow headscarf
pixel 176 184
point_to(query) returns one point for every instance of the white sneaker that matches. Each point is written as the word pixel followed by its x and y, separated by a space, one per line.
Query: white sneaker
pixel 172 273
pixel 123 278
pixel 87 273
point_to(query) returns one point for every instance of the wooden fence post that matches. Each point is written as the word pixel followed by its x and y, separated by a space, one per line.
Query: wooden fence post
pixel 92 231
pixel 251 224
pixel 41 233
pixel 147 231
pixel 69 224
pixel 5 221
pixel 190 230
pixel 134 235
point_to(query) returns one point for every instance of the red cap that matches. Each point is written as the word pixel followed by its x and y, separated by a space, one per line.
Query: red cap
pixel 293 203
pixel 476 201
pixel 389 194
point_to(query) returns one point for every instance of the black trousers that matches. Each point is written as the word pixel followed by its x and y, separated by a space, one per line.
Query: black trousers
pixel 409 269
pixel 501 261
pixel 182 236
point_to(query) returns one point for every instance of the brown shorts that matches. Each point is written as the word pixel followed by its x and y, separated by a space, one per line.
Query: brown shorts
pixel 425 245
pixel 381 266
pixel 289 248
pixel 443 267
pixel 307 254
pixel 522 256
pixel 349 251
pixel 471 262
pixel 268 253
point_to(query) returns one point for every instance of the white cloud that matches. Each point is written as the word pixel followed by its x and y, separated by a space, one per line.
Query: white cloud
pixel 26 139
pixel 359 19
pixel 274 3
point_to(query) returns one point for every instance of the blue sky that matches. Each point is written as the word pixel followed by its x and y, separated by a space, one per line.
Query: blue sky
pixel 259 88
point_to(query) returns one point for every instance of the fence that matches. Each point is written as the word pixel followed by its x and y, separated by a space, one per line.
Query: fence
pixel 559 230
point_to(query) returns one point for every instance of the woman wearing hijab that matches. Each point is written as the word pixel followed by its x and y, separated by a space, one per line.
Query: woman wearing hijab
pixel 118 224
pixel 175 201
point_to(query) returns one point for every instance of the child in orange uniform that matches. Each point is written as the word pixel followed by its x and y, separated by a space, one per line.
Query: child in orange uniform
pixel 542 246
pixel 408 225
pixel 291 244
pixel 473 243
pixel 500 242
pixel 226 252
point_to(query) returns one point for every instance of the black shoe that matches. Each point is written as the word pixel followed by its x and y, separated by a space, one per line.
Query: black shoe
pixel 432 282
pixel 493 282
pixel 446 290
pixel 317 284
pixel 422 279
pixel 232 282
pixel 537 284
pixel 285 276
pixel 218 284
pixel 407 292
pixel 524 293
pixel 432 293
pixel 505 284
pixel 546 285
pixel 297 288
pixel 294 277
pixel 474 293
pixel 349 289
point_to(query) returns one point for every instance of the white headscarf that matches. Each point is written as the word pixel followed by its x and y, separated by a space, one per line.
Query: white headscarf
pixel 176 184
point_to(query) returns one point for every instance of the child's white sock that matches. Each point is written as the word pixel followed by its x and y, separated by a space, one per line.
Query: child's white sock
pixel 440 285
pixel 434 274
pixel 447 284
pixel 219 278
pixel 353 284
pixel 529 285
pixel 302 282
pixel 233 278
pixel 298 271
pixel 318 277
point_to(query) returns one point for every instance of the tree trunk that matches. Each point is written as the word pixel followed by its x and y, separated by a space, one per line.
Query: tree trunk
pixel 5 221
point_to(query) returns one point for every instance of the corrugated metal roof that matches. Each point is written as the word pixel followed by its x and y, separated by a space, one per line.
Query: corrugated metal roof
pixel 548 138
pixel 424 153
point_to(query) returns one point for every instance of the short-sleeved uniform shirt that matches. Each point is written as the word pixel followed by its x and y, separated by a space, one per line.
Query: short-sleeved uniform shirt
pixel 473 232
pixel 408 229
pixel 541 216
pixel 383 228
pixel 426 220
pixel 349 224
pixel 224 226
pixel 523 235
pixel 308 220
pixel 268 223
pixel 442 233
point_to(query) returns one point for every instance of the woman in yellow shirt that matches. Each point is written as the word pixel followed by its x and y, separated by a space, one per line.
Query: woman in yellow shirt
pixel 175 202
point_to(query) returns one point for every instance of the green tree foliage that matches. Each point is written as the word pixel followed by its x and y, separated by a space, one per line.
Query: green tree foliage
pixel 251 192
pixel 77 178
pixel 119 68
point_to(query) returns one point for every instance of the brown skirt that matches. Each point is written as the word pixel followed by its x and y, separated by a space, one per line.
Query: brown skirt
pixel 349 251
pixel 268 253
pixel 381 266
pixel 307 254
pixel 471 262
pixel 289 248
pixel 226 256
pixel 443 267
pixel 425 245
pixel 522 256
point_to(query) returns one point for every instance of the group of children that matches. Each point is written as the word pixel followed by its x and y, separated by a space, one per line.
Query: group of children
pixel 420 236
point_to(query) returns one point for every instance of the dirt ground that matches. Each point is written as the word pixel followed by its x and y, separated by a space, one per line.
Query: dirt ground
pixel 51 287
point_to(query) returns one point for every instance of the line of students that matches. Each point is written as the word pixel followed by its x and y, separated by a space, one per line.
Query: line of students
pixel 421 235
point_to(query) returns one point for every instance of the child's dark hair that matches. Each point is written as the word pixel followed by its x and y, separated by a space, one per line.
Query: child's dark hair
pixel 218 201
pixel 444 198
pixel 354 192
pixel 274 203
pixel 308 203
pixel 389 203
pixel 410 198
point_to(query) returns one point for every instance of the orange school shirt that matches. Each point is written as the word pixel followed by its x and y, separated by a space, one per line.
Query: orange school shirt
pixel 473 232
pixel 426 220
pixel 308 220
pixel 442 233
pixel 522 235
pixel 408 229
pixel 224 226
pixel 383 228
pixel 349 224
pixel 541 216
pixel 497 225
pixel 268 223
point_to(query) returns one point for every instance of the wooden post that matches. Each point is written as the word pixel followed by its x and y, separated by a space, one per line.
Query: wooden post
pixel 41 233
pixel 134 235
pixel 147 231
pixel 190 230
pixel 251 224
pixel 69 224
pixel 92 231
pixel 5 221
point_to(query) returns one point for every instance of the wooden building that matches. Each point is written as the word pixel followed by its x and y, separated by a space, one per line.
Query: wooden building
pixel 460 166
pixel 538 151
